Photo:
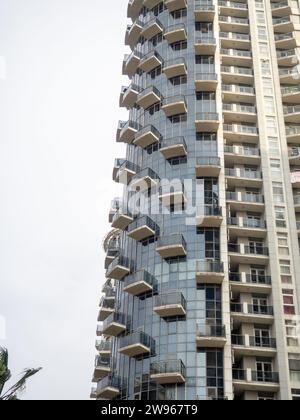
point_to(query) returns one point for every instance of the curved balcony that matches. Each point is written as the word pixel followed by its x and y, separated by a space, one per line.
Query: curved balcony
pixel 134 8
pixel 293 134
pixel 173 147
pixel 207 82
pixel 176 33
pixel 175 67
pixel 209 216
pixel 102 368
pixel 286 41
pixel 211 336
pixel 111 254
pixel 245 202
pixel 151 3
pixel 107 307
pixel 152 28
pixel 292 114
pixel 247 380
pixel 245 254
pixel 115 205
pixel 144 180
pixel 207 122
pixel 252 314
pixel 245 227
pixel 294 156
pixel 149 97
pixel 241 133
pixel 242 155
pixel 209 272
pixel 174 105
pixel 103 347
pixel 109 388
pixel 168 372
pixel 204 11
pixel 173 5
pixel 129 95
pixel 208 167
pixel 246 346
pixel 233 8
pixel 282 8
pixel 172 246
pixel 240 177
pixel 124 171
pixel 205 46
pixel 171 304
pixel 114 325
pixel 119 268
pixel 122 220
pixel 287 58
pixel 146 137
pixel 283 24
pixel 126 131
pixel 131 63
pixel 143 228
pixel 136 344
pixel 133 33
pixel 150 61
pixel 249 283
pixel 172 194
pixel 139 283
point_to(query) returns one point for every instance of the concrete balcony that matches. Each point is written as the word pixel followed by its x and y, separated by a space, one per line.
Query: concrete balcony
pixel 208 167
pixel 170 304
pixel 173 148
pixel 291 94
pixel 286 41
pixel 205 46
pixel 172 194
pixel 144 180
pixel 281 9
pixel 241 133
pixel 129 96
pixel 242 155
pixel 124 171
pixel 102 368
pixel 239 113
pixel 168 372
pixel 139 283
pixel 114 325
pixel 235 40
pixel 233 8
pixel 119 268
pixel 209 272
pixel 150 61
pixel 211 336
pixel 207 122
pixel 295 179
pixel 136 344
pixel 131 63
pixel 143 228
pixel 245 202
pixel 149 97
pixel 107 307
pixel 204 12
pixel 146 137
pixel 245 254
pixel 111 254
pixel 152 28
pixel 103 347
pixel 297 203
pixel 209 216
pixel 176 33
pixel 175 67
pixel 234 24
pixel 234 57
pixel 294 156
pixel 115 206
pixel 293 134
pixel 292 114
pixel 250 283
pixel 240 177
pixel 151 3
pixel 252 314
pixel 174 105
pixel 133 33
pixel 122 220
pixel 247 380
pixel 234 74
pixel 206 82
pixel 134 8
pixel 126 131
pixel 173 5
pixel 236 93
pixel 287 58
pixel 172 246
pixel 109 388
pixel 246 346
pixel 243 227
pixel 283 24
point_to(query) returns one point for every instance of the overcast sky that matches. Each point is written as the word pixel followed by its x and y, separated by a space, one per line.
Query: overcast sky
pixel 60 79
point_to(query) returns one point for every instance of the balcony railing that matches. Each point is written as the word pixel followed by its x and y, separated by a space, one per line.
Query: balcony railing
pixel 247 198
pixel 204 266
pixel 246 223
pixel 251 278
pixel 140 276
pixel 170 298
pixel 248 249
pixel 168 367
pixel 266 377
pixel 263 342
pixel 218 331
pixel 138 338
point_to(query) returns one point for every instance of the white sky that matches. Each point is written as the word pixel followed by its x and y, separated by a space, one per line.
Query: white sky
pixel 58 119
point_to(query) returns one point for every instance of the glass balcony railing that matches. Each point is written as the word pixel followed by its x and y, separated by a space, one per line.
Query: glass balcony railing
pixel 140 276
pixel 265 377
pixel 168 367
pixel 205 266
pixel 170 298
pixel 138 338
pixel 218 331
pixel 263 342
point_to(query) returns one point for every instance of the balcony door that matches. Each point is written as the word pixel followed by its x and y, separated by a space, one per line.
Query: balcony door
pixel 260 305
pixel 262 337
pixel 258 275
pixel 264 371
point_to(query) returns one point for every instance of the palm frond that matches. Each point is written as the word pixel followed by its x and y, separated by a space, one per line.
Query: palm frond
pixel 5 374
pixel 20 385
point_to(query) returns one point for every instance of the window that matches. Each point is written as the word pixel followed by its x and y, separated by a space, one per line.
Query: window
pixel 275 165
pixel 288 302
pixel 280 217
pixel 278 192
pixel 291 333
pixel 273 146
pixel 296 394
pixel 269 105
pixel 283 245
pixel 285 266
pixel 271 126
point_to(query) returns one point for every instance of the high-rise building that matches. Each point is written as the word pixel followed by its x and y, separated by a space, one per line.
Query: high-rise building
pixel 202 295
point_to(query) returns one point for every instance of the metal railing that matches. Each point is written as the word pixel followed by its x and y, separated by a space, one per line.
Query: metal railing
pixel 137 338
